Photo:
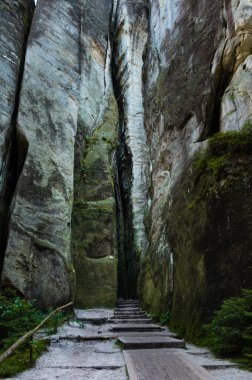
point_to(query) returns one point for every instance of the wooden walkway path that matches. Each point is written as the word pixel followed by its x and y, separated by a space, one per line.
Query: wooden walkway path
pixel 150 352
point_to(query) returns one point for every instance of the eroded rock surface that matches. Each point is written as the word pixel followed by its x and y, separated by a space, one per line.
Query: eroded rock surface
pixel 130 38
pixel 94 245
pixel 197 82
pixel 37 259
pixel 15 19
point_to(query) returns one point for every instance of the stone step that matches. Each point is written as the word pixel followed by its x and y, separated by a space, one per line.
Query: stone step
pixel 125 316
pixel 123 306
pixel 150 342
pixel 146 334
pixel 127 309
pixel 168 364
pixel 126 312
pixel 129 316
pixel 132 321
pixel 136 327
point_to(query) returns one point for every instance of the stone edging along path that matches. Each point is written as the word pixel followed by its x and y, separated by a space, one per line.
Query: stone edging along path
pixel 149 351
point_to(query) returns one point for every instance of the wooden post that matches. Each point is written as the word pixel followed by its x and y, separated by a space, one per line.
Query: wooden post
pixel 31 348
pixel 27 336
pixel 55 324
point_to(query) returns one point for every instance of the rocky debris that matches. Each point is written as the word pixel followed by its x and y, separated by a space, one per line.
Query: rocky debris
pixel 90 352
pixel 89 360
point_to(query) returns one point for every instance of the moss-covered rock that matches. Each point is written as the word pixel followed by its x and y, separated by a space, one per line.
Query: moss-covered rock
pixel 209 228
pixel 207 218
pixel 94 242
pixel 97 282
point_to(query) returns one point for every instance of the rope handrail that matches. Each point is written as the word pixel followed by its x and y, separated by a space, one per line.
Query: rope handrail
pixel 11 350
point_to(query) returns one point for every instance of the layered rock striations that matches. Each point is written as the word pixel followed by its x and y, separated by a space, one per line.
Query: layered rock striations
pixel 139 115
pixel 94 236
pixel 37 259
pixel 197 83
pixel 15 19
pixel 130 33
pixel 236 66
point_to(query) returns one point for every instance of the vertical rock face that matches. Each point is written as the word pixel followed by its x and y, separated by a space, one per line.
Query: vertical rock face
pixel 198 58
pixel 169 197
pixel 236 109
pixel 37 259
pixel 178 103
pixel 94 245
pixel 15 19
pixel 130 38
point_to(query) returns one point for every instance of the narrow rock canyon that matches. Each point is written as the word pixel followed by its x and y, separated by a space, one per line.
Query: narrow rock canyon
pixel 126 153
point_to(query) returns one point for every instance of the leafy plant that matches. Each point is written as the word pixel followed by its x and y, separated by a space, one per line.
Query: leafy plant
pixel 163 318
pixel 17 316
pixel 231 327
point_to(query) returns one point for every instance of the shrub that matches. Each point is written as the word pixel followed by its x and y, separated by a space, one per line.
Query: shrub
pixel 231 327
pixel 17 316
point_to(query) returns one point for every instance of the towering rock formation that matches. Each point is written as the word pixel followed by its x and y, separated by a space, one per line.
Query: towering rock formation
pixel 122 113
pixel 198 82
pixel 37 259
pixel 15 19
pixel 130 38
pixel 94 244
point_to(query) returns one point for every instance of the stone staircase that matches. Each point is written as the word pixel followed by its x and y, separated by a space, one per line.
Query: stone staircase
pixel 151 352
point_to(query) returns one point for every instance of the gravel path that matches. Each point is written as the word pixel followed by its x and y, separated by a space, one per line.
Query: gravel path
pixel 90 353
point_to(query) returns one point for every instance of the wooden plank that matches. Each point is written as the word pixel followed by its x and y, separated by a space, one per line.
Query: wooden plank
pixel 163 364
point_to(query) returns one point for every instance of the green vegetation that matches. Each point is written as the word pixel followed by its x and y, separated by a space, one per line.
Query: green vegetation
pixel 207 220
pixel 17 317
pixel 224 159
pixel 97 282
pixel 163 319
pixel 20 361
pixel 230 332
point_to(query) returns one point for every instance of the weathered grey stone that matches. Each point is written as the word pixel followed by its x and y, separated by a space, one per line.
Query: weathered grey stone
pixel 197 82
pixel 130 38
pixel 94 244
pixel 184 37
pixel 236 104
pixel 15 19
pixel 138 327
pixel 37 260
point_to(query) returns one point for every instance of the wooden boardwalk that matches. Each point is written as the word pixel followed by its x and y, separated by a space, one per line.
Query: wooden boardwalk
pixel 149 352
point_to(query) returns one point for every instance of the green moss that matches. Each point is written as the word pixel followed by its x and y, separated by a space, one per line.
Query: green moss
pixel 20 361
pixel 224 159
pixel 92 207
pixel 97 282
pixel 211 201
pixel 94 215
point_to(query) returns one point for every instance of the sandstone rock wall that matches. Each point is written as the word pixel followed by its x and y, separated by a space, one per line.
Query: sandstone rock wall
pixel 121 114
pixel 94 244
pixel 15 19
pixel 198 58
pixel 37 259
pixel 129 42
